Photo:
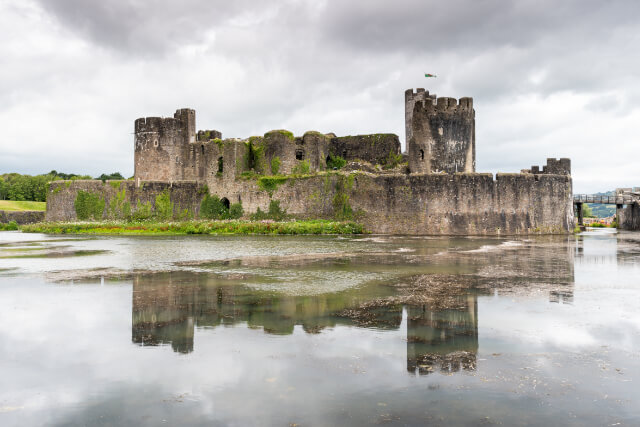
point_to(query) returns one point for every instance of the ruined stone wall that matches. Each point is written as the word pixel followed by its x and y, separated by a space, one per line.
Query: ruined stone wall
pixel 371 148
pixel 162 149
pixel 410 99
pixel 436 204
pixel 62 195
pixel 629 217
pixel 21 217
pixel 442 135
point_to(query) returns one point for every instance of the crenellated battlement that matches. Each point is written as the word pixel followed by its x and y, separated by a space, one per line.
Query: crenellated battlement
pixel 553 167
pixel 447 104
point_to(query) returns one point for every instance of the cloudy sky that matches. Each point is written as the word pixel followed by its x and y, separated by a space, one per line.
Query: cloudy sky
pixel 549 78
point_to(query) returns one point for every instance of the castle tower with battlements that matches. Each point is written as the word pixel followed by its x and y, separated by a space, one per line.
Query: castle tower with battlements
pixel 440 133
pixel 162 146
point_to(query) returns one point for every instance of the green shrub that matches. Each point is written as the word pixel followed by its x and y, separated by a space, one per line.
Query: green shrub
pixel 302 168
pixel 271 183
pixel 254 155
pixel 235 211
pixel 275 212
pixel 275 165
pixel 164 207
pixel 88 205
pixel 392 160
pixel 119 207
pixel 11 225
pixel 335 162
pixel 143 211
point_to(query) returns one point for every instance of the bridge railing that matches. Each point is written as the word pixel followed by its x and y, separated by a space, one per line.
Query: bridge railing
pixel 607 200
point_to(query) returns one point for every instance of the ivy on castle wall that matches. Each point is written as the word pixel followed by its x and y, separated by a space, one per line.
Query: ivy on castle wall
pixel 88 205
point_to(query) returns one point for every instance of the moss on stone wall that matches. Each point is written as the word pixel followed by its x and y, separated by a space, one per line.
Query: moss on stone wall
pixel 284 132
pixel 275 165
pixel 88 205
pixel 254 159
pixel 302 168
pixel 341 206
pixel 164 207
pixel 271 183
pixel 119 207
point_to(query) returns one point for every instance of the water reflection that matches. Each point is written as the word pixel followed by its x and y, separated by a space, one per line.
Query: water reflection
pixel 445 340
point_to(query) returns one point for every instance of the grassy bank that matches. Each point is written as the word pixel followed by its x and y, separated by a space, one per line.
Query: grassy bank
pixel 197 227
pixel 12 205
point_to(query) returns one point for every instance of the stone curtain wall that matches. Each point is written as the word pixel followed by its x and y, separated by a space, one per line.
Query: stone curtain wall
pixel 21 217
pixel 62 195
pixel 629 217
pixel 432 204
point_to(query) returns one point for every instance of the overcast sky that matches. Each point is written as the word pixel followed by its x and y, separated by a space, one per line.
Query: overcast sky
pixel 549 78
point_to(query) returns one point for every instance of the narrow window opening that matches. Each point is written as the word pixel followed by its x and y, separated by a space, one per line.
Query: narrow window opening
pixel 344 154
pixel 155 142
pixel 421 154
pixel 202 149
pixel 299 154
pixel 220 165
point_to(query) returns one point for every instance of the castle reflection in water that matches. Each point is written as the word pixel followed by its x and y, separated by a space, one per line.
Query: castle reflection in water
pixel 167 307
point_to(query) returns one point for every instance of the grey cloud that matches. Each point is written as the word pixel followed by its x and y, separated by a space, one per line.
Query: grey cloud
pixel 145 28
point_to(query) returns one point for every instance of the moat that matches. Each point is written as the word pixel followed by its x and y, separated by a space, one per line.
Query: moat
pixel 330 330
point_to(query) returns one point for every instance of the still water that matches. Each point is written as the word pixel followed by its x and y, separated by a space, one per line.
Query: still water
pixel 319 331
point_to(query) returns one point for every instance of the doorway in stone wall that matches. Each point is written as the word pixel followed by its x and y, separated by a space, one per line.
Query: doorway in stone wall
pixel 225 202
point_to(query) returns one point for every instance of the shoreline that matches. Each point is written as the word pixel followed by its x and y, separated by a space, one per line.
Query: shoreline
pixel 228 227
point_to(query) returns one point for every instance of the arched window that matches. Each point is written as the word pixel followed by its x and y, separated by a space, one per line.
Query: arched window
pixel 421 154
pixel 225 202
pixel 220 165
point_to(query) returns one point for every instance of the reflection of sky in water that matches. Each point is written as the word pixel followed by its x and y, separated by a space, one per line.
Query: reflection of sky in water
pixel 69 355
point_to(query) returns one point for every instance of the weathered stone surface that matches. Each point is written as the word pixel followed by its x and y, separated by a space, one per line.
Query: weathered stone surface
pixel 629 217
pixel 442 194
pixel 442 135
pixel 371 148
pixel 62 195
pixel 21 217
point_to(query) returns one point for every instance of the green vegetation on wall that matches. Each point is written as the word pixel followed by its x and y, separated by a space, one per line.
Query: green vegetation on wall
pixel 164 207
pixel 254 155
pixel 275 212
pixel 341 207
pixel 275 165
pixel 143 211
pixel 392 160
pixel 302 168
pixel 119 207
pixel 271 183
pixel 335 162
pixel 212 207
pixel 88 205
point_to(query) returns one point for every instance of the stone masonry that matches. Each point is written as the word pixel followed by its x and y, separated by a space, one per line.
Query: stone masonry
pixel 431 189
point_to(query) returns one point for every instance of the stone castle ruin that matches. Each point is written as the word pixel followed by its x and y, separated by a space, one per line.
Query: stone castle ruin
pixel 433 188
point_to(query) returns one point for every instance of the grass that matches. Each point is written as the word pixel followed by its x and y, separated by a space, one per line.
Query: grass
pixel 13 205
pixel 198 227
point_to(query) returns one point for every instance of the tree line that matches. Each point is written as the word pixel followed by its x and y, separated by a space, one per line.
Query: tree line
pixel 15 186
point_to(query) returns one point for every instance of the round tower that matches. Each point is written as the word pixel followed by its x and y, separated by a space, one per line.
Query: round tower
pixel 440 133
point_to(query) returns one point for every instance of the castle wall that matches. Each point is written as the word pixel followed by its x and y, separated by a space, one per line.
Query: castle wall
pixel 629 217
pixel 371 148
pixel 442 135
pixel 21 217
pixel 436 204
pixel 62 195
